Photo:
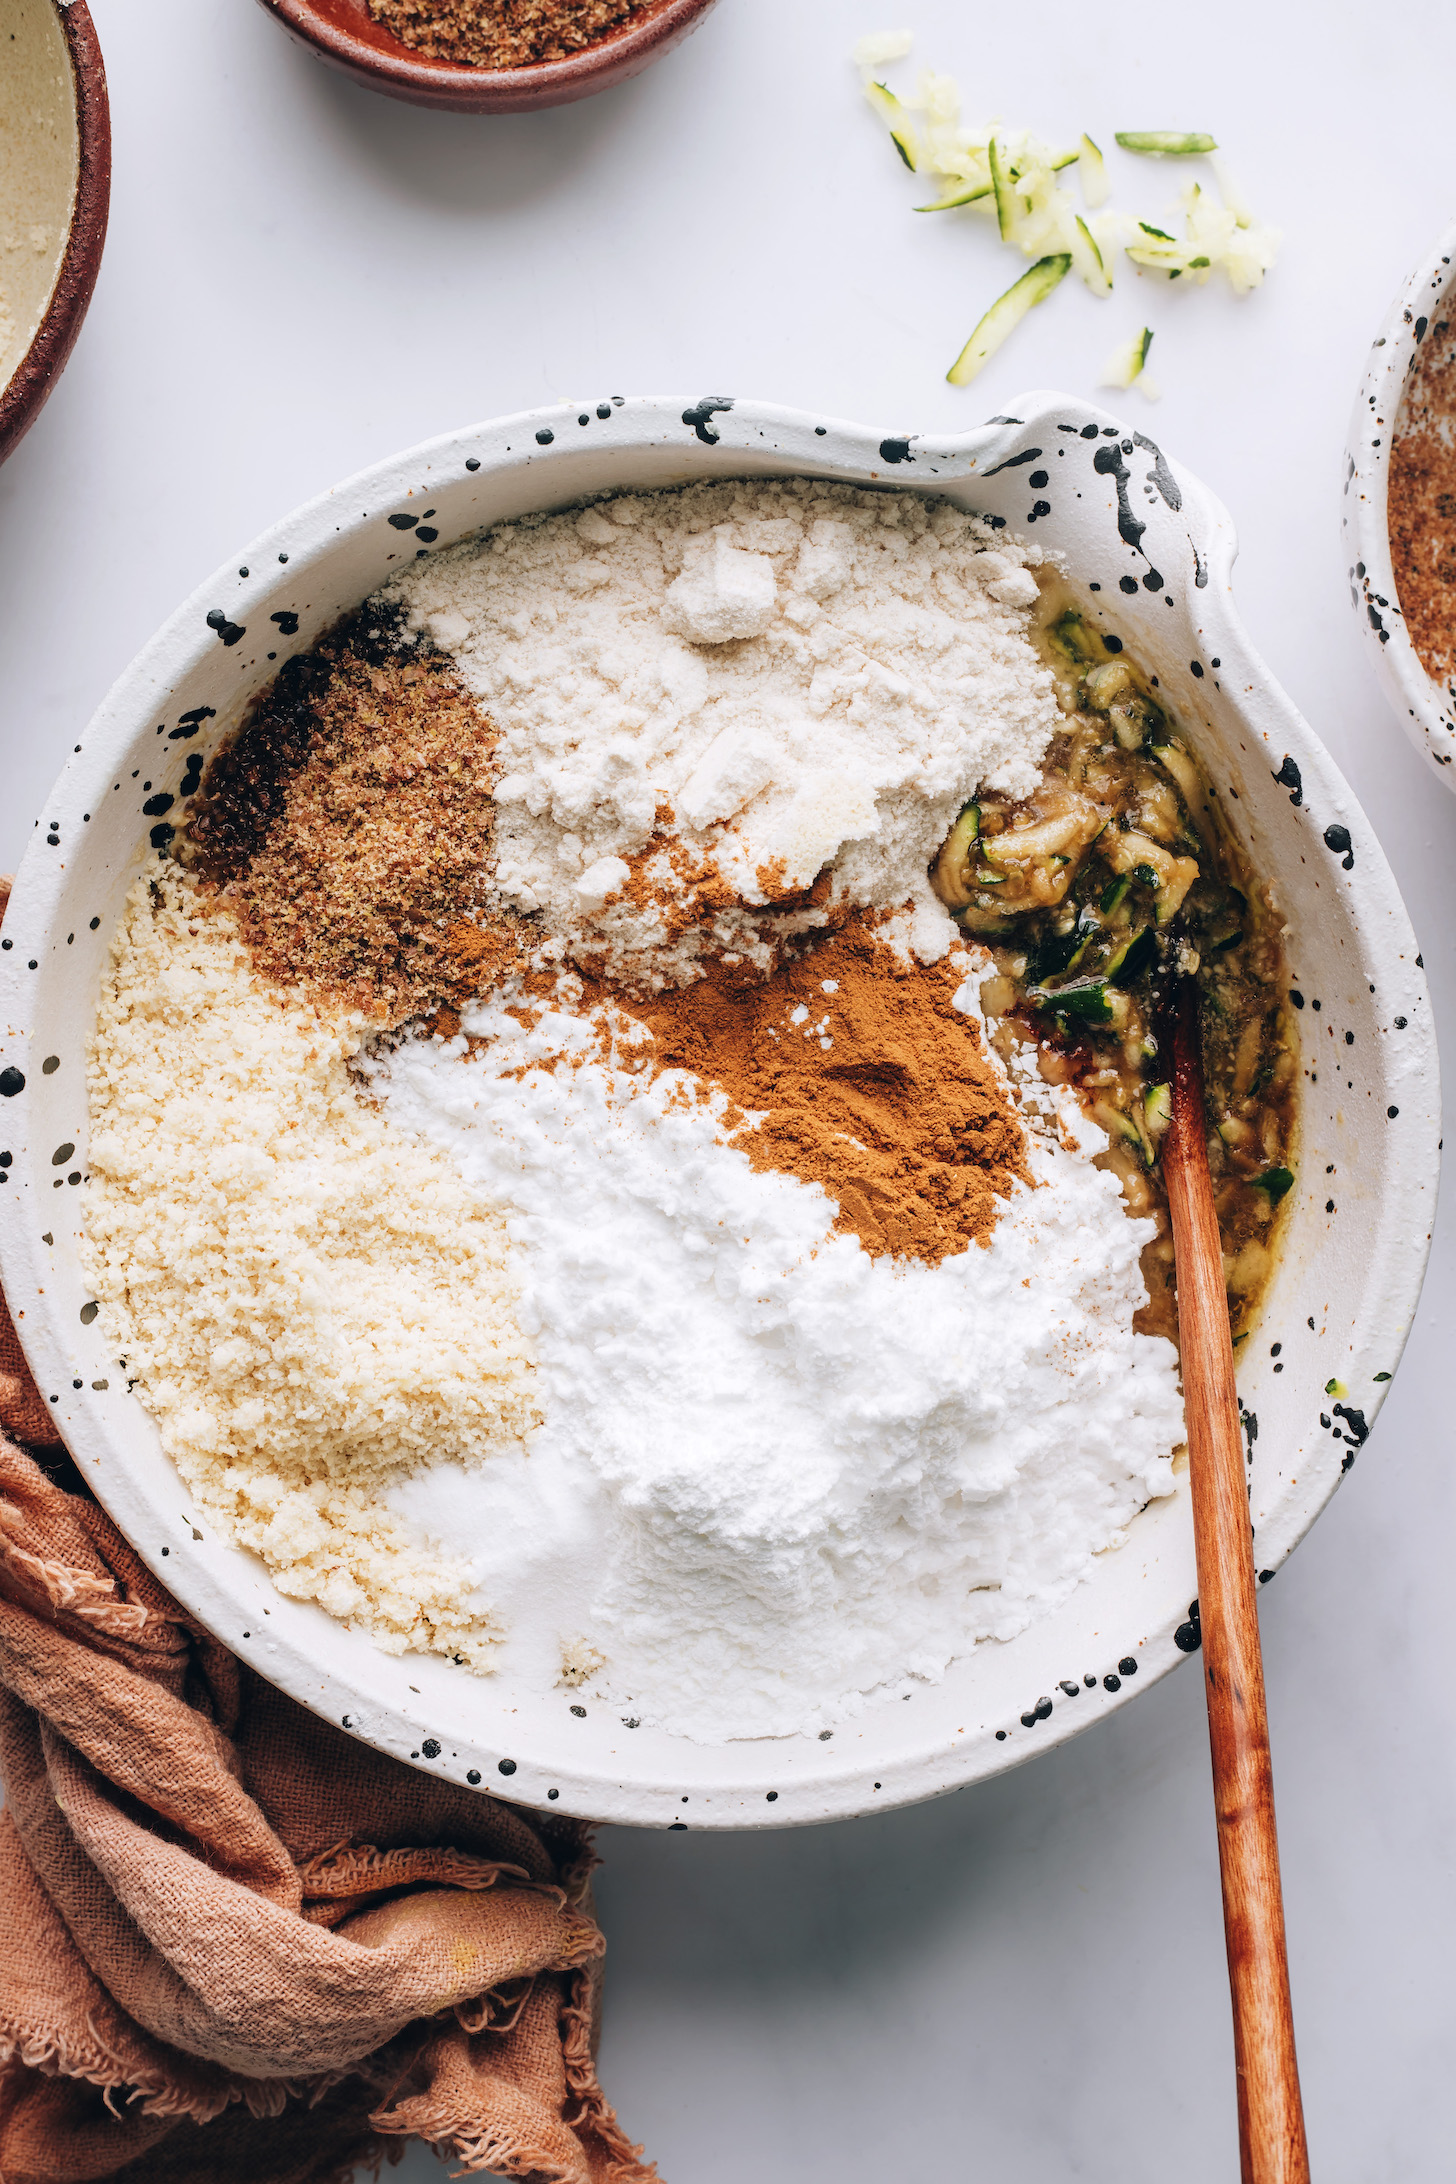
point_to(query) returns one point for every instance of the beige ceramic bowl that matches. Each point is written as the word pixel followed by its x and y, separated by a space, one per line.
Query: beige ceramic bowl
pixel 55 187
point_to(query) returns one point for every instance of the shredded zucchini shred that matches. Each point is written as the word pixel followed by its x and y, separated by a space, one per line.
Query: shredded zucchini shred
pixel 1007 313
pixel 1088 259
pixel 1011 173
pixel 902 129
pixel 1096 188
pixel 1218 236
pixel 1166 143
pixel 1125 366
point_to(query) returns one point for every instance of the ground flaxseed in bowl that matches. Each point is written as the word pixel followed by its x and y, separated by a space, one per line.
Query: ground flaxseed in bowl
pixel 504 33
pixel 614 1138
pixel 1421 502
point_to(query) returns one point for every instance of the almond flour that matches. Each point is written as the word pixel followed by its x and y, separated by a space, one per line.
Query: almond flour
pixel 314 1304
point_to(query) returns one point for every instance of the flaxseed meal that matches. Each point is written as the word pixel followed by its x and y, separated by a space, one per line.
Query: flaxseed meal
pixel 504 33
pixel 347 829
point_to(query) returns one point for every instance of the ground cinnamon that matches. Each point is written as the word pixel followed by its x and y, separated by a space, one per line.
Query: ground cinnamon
pixel 901 1116
pixel 502 33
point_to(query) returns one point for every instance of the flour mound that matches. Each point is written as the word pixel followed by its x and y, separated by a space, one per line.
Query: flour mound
pixel 786 675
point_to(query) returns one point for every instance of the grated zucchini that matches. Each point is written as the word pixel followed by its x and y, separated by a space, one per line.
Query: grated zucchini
pixel 1017 172
pixel 1004 193
pixel 878 47
pixel 1089 260
pixel 1006 314
pixel 1214 236
pixel 1089 1001
pixel 1177 762
pixel 1133 955
pixel 952 880
pixel 902 130
pixel 1167 143
pixel 1125 364
pixel 969 196
pixel 1095 185
pixel 1158 1108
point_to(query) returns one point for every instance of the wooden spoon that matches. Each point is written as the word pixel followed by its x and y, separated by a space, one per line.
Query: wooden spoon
pixel 1272 2146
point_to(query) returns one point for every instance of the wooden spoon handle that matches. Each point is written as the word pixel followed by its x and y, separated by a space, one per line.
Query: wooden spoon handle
pixel 1272 2146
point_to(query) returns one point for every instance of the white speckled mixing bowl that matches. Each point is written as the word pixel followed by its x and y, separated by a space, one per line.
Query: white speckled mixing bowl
pixel 1150 554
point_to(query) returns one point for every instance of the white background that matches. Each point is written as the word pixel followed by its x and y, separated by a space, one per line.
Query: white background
pixel 1023 1983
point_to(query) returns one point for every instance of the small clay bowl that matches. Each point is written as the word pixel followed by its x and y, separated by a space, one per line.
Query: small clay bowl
pixel 344 33
pixel 55 186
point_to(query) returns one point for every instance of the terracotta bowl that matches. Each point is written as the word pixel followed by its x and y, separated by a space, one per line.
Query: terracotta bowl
pixel 1149 553
pixel 55 188
pixel 346 34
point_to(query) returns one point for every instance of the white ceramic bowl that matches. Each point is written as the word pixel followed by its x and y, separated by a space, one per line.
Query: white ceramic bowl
pixel 1149 552
pixel 1424 313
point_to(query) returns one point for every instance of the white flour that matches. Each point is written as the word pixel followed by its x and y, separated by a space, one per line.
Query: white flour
pixel 796 674
pixel 774 1473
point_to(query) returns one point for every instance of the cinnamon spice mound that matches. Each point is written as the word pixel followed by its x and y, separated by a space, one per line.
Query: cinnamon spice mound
pixel 902 1118
pixel 348 824
pixel 502 33
pixel 1421 504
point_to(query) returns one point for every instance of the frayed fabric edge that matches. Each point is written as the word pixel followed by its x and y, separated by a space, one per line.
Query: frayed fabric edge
pixel 593 2111
pixel 53 2055
pixel 359 1869
pixel 71 1591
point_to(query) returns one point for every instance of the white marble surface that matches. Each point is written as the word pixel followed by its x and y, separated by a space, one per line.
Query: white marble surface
pixel 1024 1982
